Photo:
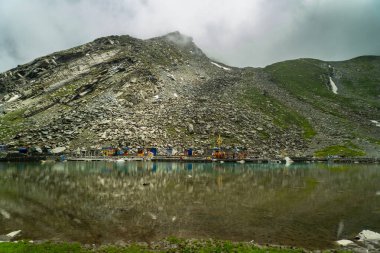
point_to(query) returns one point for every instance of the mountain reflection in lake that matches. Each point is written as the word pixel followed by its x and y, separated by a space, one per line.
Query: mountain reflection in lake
pixel 104 202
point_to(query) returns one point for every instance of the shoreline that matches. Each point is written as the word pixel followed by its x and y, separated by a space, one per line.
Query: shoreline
pixel 169 244
pixel 247 160
pixel 192 159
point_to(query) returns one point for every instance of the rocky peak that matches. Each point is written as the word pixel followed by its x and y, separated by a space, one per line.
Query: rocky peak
pixel 120 90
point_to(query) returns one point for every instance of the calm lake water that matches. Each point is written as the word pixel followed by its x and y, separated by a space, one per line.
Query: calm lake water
pixel 309 205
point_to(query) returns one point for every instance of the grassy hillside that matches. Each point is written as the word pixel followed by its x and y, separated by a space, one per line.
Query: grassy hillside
pixel 358 82
pixel 361 78
pixel 351 110
pixel 283 116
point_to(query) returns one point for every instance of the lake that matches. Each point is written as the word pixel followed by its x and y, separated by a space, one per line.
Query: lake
pixel 307 205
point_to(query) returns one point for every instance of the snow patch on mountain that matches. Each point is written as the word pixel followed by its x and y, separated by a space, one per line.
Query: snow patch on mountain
pixel 220 66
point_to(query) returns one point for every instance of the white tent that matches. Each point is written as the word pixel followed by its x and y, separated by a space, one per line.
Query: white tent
pixel 58 150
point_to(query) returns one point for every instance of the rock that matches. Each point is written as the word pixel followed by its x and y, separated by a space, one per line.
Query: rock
pixel 190 128
pixel 58 150
pixel 6 97
pixel 10 236
pixel 141 95
pixel 171 76
pixel 5 214
pixel 368 235
pixel 13 99
pixel 344 242
pixel 27 93
pixel 4 238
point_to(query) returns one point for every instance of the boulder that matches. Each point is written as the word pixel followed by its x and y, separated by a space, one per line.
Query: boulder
pixel 8 237
pixel 344 242
pixel 368 235
pixel 5 214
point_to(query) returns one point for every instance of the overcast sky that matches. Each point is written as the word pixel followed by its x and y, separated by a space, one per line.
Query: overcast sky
pixel 236 32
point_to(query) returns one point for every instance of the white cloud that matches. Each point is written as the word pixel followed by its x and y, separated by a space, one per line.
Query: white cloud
pixel 241 32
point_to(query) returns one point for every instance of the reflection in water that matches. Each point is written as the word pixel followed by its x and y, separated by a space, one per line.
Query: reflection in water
pixel 340 229
pixel 100 202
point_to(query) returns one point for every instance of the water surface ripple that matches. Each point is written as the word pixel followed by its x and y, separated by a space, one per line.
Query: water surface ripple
pixel 308 205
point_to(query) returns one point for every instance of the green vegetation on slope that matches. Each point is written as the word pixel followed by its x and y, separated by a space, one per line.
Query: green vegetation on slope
pixel 282 116
pixel 347 150
pixel 308 79
pixel 361 78
pixel 302 77
pixel 11 123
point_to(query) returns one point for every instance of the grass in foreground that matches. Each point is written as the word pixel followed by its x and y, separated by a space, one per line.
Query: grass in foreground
pixel 169 245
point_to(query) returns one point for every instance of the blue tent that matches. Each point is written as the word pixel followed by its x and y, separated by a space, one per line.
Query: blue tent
pixel 154 151
pixel 23 150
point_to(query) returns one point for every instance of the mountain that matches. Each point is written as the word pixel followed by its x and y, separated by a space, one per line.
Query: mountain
pixel 120 90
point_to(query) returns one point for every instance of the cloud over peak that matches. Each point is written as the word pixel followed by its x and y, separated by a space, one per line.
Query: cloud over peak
pixel 240 33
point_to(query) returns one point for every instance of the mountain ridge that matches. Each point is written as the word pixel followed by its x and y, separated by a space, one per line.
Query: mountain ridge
pixel 119 90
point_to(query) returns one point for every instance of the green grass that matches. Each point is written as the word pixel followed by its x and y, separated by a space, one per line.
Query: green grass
pixel 304 78
pixel 375 141
pixel 172 245
pixel 308 79
pixel 26 247
pixel 347 150
pixel 48 247
pixel 65 90
pixel 362 76
pixel 283 116
pixel 11 123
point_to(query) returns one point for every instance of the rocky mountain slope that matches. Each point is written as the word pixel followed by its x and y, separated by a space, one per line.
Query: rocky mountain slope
pixel 119 90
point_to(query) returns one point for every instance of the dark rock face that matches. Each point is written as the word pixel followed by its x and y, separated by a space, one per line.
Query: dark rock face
pixel 164 91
